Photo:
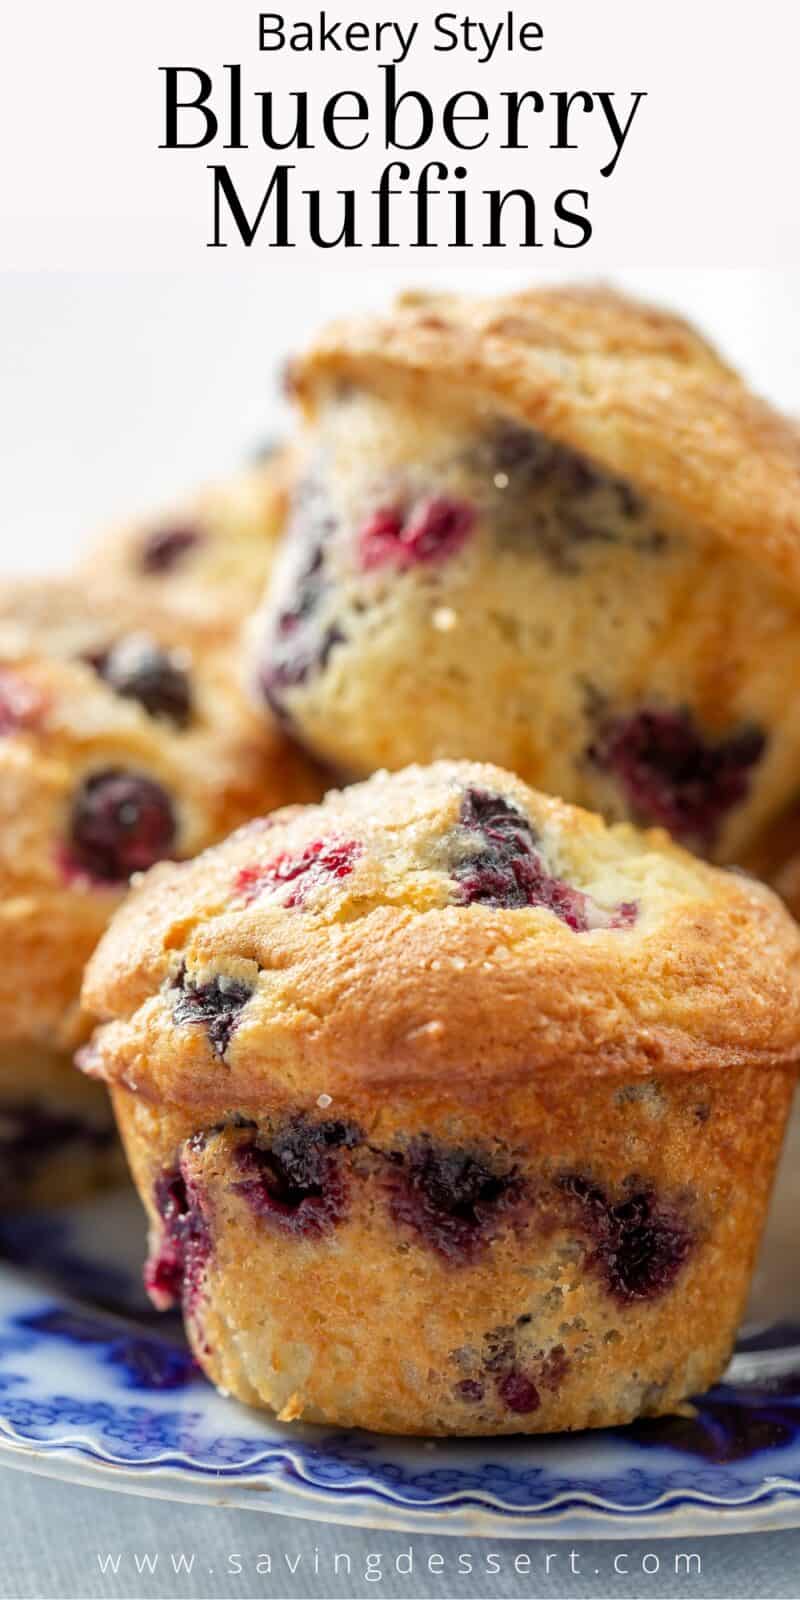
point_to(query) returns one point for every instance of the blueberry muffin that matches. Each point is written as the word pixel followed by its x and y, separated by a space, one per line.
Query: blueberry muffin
pixel 209 558
pixel 453 1109
pixel 553 531
pixel 124 738
pixel 57 1134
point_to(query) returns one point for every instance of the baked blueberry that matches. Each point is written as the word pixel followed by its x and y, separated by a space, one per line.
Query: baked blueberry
pixel 508 869
pixel 215 1006
pixel 125 739
pixel 321 861
pixel 139 669
pixel 454 1199
pixel 297 1181
pixel 166 549
pixel 519 1393
pixel 637 1243
pixel 175 1268
pixel 298 644
pixel 430 531
pixel 121 823
pixel 673 774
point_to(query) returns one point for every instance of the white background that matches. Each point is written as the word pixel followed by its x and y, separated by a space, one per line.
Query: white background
pixel 119 390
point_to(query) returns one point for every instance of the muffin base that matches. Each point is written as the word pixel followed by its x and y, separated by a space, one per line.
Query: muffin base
pixel 600 1275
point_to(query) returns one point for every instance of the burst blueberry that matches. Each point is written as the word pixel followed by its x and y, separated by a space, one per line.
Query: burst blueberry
pixel 321 861
pixel 637 1244
pixel 176 1267
pixel 508 870
pixel 431 531
pixel 215 1006
pixel 453 1198
pixel 296 1181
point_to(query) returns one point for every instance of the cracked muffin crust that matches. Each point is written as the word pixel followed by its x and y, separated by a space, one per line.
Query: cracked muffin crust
pixel 453 1109
pixel 552 530
pixel 124 739
pixel 207 558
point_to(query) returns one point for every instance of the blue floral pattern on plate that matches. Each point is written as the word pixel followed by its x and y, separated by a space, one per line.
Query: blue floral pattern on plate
pixel 96 1387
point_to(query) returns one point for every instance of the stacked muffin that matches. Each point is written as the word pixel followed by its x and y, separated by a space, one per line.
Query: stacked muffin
pixel 124 739
pixel 453 1108
pixel 554 531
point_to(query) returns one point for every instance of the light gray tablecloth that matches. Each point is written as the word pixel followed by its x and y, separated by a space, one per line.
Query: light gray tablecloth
pixel 55 1537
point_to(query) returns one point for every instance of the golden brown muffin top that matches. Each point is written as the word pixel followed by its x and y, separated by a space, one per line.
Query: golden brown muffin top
pixel 446 928
pixel 636 389
pixel 124 738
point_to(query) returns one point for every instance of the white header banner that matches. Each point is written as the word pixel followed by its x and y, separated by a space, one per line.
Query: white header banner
pixel 192 133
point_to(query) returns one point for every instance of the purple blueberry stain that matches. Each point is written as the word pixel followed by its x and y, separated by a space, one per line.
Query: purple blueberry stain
pixel 430 531
pixel 176 1267
pixel 637 1244
pixel 322 861
pixel 215 1006
pixel 138 669
pixel 518 1377
pixel 452 1198
pixel 298 645
pixel 673 774
pixel 291 671
pixel 545 496
pixel 121 822
pixel 553 1368
pixel 296 1181
pixel 166 550
pixel 470 1390
pixel 507 869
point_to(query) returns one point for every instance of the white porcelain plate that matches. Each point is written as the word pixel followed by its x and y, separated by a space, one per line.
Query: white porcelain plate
pixel 97 1388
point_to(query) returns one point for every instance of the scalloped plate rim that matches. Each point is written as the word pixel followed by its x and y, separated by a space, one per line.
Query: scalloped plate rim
pixel 775 1504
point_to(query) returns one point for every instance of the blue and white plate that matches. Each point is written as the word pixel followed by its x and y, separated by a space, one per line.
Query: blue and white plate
pixel 96 1388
